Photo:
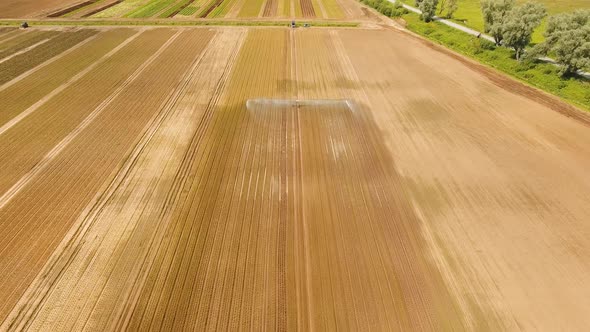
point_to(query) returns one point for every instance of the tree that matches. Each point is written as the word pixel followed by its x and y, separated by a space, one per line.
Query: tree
pixel 452 7
pixel 443 5
pixel 417 3
pixel 567 37
pixel 428 8
pixel 520 25
pixel 398 9
pixel 494 14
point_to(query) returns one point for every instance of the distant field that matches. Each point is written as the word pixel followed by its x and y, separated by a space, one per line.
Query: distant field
pixel 329 9
pixel 138 9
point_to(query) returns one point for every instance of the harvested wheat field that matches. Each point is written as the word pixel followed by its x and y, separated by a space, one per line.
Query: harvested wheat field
pixel 283 179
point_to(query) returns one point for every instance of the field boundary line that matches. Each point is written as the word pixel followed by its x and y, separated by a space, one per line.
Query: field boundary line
pixel 23 310
pixel 46 63
pixel 65 85
pixel 43 163
pixel 25 50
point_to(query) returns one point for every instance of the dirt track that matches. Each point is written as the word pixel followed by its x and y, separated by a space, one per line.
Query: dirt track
pixel 418 195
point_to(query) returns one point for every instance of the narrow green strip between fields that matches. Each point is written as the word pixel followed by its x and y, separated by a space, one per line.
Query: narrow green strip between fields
pixel 151 9
pixel 541 75
pixel 187 23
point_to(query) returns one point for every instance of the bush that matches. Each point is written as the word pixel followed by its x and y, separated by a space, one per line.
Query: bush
pixel 387 8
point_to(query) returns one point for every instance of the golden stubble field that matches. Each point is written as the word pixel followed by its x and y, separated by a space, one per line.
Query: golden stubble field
pixel 284 179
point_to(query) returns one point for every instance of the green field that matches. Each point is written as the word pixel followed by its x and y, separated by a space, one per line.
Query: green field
pixel 469 12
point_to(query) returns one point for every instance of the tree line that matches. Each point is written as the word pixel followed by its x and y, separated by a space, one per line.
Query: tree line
pixel 567 37
pixel 428 8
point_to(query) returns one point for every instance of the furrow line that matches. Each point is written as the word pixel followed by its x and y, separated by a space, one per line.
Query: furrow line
pixel 41 165
pixel 64 86
pixel 44 64
pixel 25 50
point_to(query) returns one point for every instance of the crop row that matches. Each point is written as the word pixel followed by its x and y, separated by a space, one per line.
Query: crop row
pixel 222 9
pixel 119 10
pixel 251 8
pixel 70 9
pixel 151 8
pixel 60 195
pixel 333 9
pixel 208 9
pixel 30 142
pixel 9 33
pixel 21 95
pixel 216 267
pixel 270 9
pixel 4 30
pixel 189 11
pixel 19 64
pixel 83 7
pixel 307 8
pixel 124 122
pixel 175 9
pixel 197 7
pixel 97 9
pixel 93 8
pixel 23 41
pixel 284 8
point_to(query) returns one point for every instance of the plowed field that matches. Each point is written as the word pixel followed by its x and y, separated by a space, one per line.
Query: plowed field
pixel 31 8
pixel 285 179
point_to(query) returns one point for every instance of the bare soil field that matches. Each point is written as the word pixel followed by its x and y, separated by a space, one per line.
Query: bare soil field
pixel 283 179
